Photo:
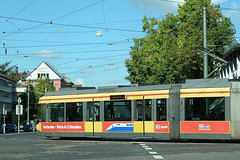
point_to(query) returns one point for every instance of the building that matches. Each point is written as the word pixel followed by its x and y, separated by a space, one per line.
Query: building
pixel 8 95
pixel 232 69
pixel 45 70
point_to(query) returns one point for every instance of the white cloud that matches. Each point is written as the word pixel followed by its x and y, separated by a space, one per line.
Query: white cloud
pixel 47 54
pixel 79 81
pixel 156 5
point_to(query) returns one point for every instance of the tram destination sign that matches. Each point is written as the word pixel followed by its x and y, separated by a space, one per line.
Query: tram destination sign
pixel 117 97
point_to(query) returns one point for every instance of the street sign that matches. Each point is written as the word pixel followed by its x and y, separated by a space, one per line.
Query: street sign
pixel 17 109
pixel 4 111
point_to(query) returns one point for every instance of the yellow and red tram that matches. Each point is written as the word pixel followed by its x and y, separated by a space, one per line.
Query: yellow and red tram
pixel 196 109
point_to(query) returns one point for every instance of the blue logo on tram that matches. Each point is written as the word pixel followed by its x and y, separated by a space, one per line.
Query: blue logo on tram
pixel 121 127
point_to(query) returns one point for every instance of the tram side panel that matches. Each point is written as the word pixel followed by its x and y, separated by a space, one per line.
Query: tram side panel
pixel 235 111
pixel 206 113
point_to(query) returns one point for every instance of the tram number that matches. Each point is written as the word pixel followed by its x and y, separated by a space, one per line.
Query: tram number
pixel 117 97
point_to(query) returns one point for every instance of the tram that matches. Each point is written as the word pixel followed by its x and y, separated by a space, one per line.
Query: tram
pixel 197 109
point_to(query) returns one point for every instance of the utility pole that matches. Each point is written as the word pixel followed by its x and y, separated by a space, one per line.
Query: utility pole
pixel 205 56
pixel 28 105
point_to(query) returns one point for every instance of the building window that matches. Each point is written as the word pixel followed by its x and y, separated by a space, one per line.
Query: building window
pixel 6 95
pixel 43 75
pixel 205 108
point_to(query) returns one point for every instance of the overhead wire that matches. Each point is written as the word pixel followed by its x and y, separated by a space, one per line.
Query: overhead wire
pixel 91 51
pixel 73 25
pixel 104 17
pixel 93 66
pixel 63 24
pixel 76 11
pixel 71 44
pixel 22 10
pixel 7 20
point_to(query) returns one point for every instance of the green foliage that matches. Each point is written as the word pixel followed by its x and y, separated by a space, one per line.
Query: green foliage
pixel 166 54
pixel 8 70
pixel 35 110
pixel 42 86
pixel 32 103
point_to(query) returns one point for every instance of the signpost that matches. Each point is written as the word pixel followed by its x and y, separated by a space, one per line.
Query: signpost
pixel 19 111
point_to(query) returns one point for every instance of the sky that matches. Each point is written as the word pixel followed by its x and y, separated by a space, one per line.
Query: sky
pixel 88 41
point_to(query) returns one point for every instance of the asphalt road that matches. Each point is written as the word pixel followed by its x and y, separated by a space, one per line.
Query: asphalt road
pixel 29 146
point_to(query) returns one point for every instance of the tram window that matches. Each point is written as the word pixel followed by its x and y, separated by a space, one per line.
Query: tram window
pixel 161 110
pixel 74 112
pixel 56 112
pixel 205 108
pixel 117 111
pixel 97 111
pixel 148 105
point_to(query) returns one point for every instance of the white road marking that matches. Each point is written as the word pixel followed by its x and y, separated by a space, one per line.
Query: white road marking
pixel 154 154
pixel 157 157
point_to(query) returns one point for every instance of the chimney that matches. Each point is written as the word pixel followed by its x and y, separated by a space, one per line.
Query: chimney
pixel 16 71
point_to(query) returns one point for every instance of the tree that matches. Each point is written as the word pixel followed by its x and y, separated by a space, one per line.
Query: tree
pixel 32 104
pixel 8 71
pixel 42 86
pixel 166 54
pixel 5 69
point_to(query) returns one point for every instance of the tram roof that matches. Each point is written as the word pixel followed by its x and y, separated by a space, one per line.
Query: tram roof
pixel 190 83
pixel 108 89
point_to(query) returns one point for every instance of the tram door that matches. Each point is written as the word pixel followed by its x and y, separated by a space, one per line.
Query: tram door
pixel 96 109
pixel 143 111
pixel 93 113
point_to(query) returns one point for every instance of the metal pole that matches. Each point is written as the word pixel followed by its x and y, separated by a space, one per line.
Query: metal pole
pixel 143 116
pixel 4 131
pixel 205 57
pixel 28 105
pixel 93 113
pixel 4 125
